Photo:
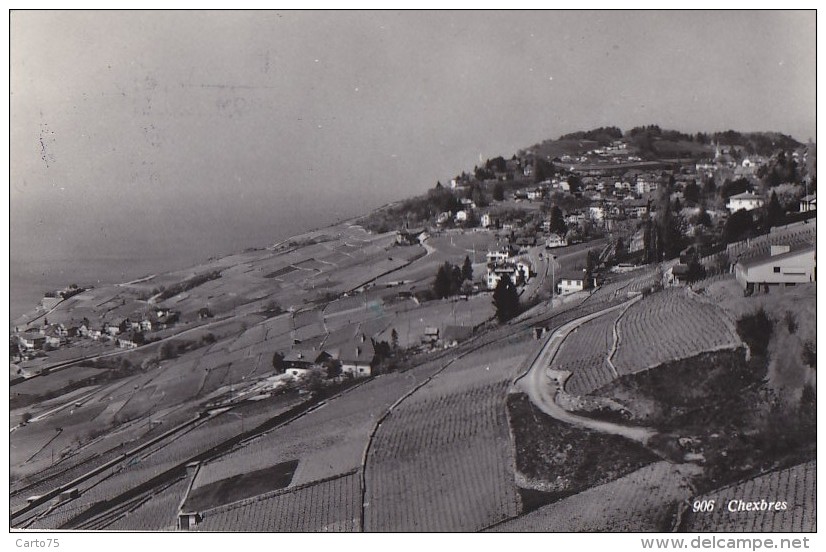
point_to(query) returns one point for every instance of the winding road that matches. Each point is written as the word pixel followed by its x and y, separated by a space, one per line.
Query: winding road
pixel 542 384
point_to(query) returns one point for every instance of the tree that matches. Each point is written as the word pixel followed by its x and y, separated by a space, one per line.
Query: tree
pixel 738 226
pixel 278 362
pixel 691 193
pixel 505 299
pixel 394 339
pixel 441 285
pixel 498 192
pixel 774 212
pixel 558 225
pixel 333 368
pixel 467 269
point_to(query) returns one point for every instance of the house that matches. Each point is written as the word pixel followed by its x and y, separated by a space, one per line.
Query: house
pixel 555 240
pixel 431 336
pixel 570 283
pixel 357 358
pixel 461 216
pixel 129 341
pixel 501 255
pixel 146 325
pixel 487 221
pixel 112 329
pixel 646 185
pixel 32 338
pixel 410 236
pixel 513 270
pixel 53 337
pixel 298 362
pixel 781 266
pixel 596 213
pixel 746 200
pixel 536 194
pixel 808 203
pixel 443 217
pixel 453 335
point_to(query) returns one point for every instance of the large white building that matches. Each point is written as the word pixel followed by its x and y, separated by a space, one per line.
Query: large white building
pixel 780 266
pixel 746 200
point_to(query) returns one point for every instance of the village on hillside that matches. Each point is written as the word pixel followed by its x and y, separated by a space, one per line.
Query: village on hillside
pixel 553 327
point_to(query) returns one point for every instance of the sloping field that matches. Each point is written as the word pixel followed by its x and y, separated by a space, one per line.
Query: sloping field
pixel 641 501
pixel 327 441
pixel 159 513
pixel 332 505
pixel 795 486
pixel 670 325
pixel 441 461
pixel 583 354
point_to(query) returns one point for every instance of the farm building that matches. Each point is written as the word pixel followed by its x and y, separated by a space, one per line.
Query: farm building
pixel 570 283
pixel 357 358
pixel 781 266
pixel 746 200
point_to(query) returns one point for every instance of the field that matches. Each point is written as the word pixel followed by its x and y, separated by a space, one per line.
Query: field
pixel 669 325
pixel 795 486
pixel 583 353
pixel 332 505
pixel 441 460
pixel 327 441
pixel 642 501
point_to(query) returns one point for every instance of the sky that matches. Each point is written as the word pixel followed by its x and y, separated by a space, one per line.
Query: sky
pixel 176 136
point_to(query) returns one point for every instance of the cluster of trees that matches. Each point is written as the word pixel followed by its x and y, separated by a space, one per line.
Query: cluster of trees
pixel 603 135
pixel 452 279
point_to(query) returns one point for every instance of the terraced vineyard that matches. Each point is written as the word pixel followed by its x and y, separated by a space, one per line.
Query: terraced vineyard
pixel 670 325
pixel 158 513
pixel 441 461
pixel 584 353
pixel 333 505
pixel 797 486
pixel 644 500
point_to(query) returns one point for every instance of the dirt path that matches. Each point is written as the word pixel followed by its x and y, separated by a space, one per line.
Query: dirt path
pixel 542 384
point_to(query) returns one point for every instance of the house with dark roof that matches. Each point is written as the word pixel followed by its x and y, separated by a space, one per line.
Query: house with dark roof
pixel 781 266
pixel 298 362
pixel 357 357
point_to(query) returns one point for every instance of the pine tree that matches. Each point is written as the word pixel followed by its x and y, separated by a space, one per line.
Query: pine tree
pixel 441 285
pixel 467 269
pixel 505 299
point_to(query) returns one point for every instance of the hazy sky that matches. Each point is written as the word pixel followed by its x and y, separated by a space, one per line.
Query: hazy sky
pixel 173 134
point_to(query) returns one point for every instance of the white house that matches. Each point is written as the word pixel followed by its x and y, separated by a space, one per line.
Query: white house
pixel 555 240
pixel 646 185
pixel 781 266
pixel 596 212
pixel 746 200
pixel 513 270
pixel 570 283
pixel 461 216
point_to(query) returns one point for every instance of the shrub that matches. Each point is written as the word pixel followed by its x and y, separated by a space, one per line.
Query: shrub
pixel 756 330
